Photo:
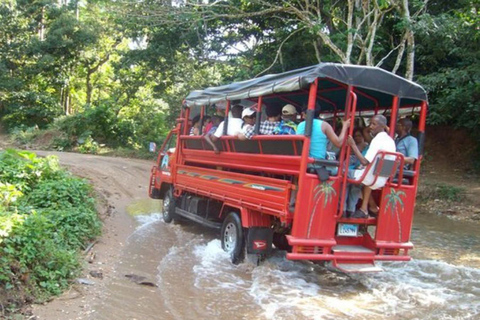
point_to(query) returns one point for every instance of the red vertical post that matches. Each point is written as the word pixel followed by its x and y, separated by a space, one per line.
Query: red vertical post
pixel 202 113
pixel 393 115
pixel 421 139
pixel 225 119
pixel 352 107
pixel 423 117
pixel 301 195
pixel 187 116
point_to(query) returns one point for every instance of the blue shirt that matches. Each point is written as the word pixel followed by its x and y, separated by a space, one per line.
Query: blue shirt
pixel 318 145
pixel 354 162
pixel 408 146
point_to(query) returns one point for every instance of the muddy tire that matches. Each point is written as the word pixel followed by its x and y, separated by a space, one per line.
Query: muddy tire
pixel 233 237
pixel 168 206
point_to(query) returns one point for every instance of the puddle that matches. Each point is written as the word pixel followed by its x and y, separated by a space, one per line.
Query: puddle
pixel 144 206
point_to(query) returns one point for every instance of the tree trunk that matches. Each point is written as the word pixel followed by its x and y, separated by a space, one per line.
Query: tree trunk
pixel 410 41
pixel 89 86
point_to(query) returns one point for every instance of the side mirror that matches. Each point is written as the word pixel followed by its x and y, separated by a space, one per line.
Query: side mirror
pixel 152 147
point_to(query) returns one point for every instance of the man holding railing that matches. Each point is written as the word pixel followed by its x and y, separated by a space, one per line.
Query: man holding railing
pixel 381 142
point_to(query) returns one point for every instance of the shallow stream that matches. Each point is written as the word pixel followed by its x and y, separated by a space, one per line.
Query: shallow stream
pixel 195 279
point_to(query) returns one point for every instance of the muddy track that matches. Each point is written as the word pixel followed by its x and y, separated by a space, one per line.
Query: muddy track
pixel 118 182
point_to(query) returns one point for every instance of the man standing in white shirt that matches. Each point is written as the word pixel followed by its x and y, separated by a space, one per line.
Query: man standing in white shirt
pixel 381 142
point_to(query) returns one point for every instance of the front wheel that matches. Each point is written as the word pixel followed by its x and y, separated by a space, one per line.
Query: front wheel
pixel 168 206
pixel 233 237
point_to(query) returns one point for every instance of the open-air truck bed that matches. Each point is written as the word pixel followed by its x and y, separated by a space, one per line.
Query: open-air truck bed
pixel 266 189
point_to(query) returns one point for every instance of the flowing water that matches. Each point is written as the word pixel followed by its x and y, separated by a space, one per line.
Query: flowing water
pixel 195 279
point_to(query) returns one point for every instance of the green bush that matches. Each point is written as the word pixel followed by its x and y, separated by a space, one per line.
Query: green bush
pixel 24 169
pixel 442 191
pixel 46 217
pixel 69 192
pixel 450 193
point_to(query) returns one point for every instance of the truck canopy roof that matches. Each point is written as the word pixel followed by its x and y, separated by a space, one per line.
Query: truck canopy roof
pixel 375 88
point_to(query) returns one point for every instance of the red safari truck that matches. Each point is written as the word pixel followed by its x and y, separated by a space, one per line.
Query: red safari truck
pixel 266 190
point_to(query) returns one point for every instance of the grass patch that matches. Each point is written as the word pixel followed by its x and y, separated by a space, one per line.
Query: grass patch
pixel 441 191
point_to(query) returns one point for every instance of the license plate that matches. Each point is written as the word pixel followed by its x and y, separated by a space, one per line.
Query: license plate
pixel 347 230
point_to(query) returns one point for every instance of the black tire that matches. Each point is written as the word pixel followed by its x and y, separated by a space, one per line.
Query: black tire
pixel 168 206
pixel 233 237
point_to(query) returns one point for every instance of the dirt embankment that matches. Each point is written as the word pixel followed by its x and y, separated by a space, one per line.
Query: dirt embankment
pixel 448 184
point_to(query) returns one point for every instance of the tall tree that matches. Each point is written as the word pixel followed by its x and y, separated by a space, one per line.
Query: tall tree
pixel 345 30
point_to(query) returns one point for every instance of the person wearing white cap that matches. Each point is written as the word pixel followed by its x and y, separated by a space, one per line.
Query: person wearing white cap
pixel 287 125
pixel 267 126
pixel 248 116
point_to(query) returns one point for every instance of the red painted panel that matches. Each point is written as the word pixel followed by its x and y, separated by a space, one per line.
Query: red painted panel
pixel 396 214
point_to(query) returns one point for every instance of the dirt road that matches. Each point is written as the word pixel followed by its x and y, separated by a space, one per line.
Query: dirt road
pixel 118 182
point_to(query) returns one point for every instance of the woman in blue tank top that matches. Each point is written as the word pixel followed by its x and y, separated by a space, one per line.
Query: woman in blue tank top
pixel 322 132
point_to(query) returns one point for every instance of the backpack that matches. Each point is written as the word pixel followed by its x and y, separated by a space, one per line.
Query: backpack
pixel 285 127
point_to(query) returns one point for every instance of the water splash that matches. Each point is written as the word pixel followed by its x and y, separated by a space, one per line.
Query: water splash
pixel 421 289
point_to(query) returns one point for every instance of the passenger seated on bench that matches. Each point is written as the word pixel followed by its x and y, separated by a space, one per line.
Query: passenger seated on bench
pixel 322 132
pixel 195 129
pixel 381 142
pixel 207 124
pixel 248 117
pixel 267 126
pixel 354 191
pixel 216 120
pixel 406 144
pixel 287 124
pixel 234 126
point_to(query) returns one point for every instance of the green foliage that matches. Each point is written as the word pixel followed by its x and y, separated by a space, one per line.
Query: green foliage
pixel 24 169
pixel 46 217
pixel 450 193
pixel 69 192
pixel 443 192
pixel 449 67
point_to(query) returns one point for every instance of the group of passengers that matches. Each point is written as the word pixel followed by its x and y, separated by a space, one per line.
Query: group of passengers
pixel 365 144
pixel 242 123
pixel 381 141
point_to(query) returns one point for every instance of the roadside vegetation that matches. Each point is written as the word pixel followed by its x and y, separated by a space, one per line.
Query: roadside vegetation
pixel 47 216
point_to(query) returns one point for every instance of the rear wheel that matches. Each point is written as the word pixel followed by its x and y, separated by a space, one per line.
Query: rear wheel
pixel 233 237
pixel 168 206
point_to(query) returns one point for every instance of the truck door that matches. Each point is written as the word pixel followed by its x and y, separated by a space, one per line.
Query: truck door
pixel 161 172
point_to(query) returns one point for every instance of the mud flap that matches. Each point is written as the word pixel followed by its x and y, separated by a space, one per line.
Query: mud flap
pixel 259 240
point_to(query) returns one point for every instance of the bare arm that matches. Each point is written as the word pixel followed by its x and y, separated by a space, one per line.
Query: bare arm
pixel 410 160
pixel 357 152
pixel 241 136
pixel 332 136
pixel 210 138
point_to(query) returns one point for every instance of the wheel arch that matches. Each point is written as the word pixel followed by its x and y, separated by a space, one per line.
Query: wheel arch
pixel 249 218
pixel 164 187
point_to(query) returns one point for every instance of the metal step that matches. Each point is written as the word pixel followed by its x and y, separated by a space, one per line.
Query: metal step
pixel 352 249
pixel 357 267
pixel 198 219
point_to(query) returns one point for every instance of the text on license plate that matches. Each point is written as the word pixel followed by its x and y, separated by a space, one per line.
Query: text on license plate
pixel 347 230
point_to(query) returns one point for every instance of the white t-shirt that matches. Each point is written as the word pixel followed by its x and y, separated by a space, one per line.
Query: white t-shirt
pixel 381 142
pixel 234 127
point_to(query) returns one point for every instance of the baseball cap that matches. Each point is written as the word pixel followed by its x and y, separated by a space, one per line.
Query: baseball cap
pixel 288 109
pixel 247 112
